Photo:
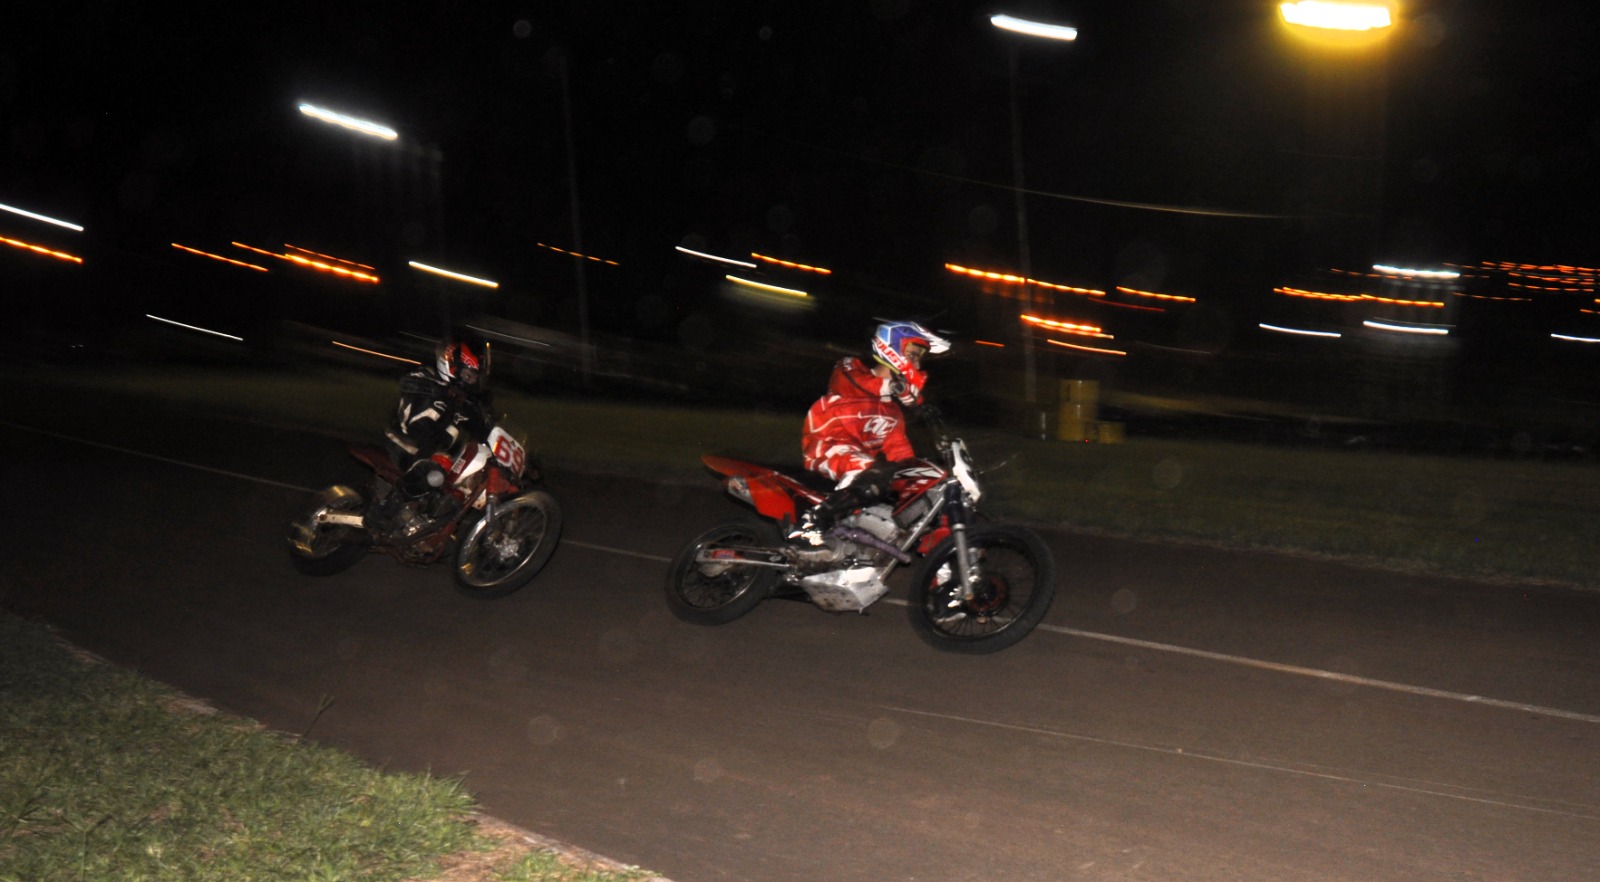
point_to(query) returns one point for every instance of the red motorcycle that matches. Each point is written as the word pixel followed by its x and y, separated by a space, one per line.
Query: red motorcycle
pixel 489 508
pixel 975 587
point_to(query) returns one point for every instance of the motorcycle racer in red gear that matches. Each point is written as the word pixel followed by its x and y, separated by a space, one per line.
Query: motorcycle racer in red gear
pixel 855 432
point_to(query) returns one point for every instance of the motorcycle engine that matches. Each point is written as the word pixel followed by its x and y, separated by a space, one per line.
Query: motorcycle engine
pixel 877 521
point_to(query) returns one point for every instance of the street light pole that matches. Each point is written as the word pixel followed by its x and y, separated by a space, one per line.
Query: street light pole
pixel 1041 30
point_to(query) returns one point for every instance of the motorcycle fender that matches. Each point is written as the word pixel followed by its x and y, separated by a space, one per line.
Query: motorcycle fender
pixel 764 493
pixel 377 460
pixel 932 538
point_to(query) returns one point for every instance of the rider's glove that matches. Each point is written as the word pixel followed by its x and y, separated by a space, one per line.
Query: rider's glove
pixel 908 386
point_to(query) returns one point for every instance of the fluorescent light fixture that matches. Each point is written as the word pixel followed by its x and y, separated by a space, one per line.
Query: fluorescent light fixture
pixel 1336 16
pixel 349 122
pixel 192 327
pixel 1033 28
pixel 1406 329
pixel 41 217
pixel 728 260
pixel 473 280
pixel 1301 331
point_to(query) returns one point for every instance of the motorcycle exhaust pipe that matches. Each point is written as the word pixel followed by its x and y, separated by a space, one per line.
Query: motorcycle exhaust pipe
pixel 856 534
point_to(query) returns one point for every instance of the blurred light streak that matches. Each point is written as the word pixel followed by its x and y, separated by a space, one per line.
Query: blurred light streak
pixel 1066 345
pixel 218 257
pixel 1573 339
pixel 576 254
pixel 40 249
pixel 328 257
pixel 509 338
pixel 258 250
pixel 1021 280
pixel 1405 329
pixel 744 263
pixel 192 327
pixel 374 352
pixel 1336 16
pixel 1300 331
pixel 990 343
pixel 1179 298
pixel 40 217
pixel 449 274
pixel 792 265
pixel 330 268
pixel 1316 295
pixel 1034 28
pixel 1067 327
pixel 349 122
pixel 1416 273
pixel 771 289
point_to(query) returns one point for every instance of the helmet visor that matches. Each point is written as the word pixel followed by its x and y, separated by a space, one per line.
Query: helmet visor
pixel 914 351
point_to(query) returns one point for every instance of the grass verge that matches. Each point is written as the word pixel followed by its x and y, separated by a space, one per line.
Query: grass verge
pixel 103 775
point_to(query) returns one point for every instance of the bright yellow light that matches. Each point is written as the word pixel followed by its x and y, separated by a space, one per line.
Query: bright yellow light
pixel 1337 16
pixel 330 268
pixel 471 280
pixel 349 122
pixel 218 257
pixel 771 289
pixel 327 256
pixel 39 249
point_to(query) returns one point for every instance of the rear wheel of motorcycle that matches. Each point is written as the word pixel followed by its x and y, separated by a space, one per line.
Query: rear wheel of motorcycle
pixel 717 593
pixel 327 549
pixel 498 555
pixel 1015 585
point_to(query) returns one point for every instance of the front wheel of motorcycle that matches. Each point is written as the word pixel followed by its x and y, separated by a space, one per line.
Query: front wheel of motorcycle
pixel 706 591
pixel 499 553
pixel 1012 590
pixel 321 549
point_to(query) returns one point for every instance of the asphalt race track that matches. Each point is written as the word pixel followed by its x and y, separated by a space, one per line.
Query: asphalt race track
pixel 1184 714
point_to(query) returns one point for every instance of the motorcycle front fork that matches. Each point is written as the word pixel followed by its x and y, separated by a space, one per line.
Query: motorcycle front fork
pixel 966 574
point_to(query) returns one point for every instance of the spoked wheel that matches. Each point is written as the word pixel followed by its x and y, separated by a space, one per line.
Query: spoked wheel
pixel 323 549
pixel 499 554
pixel 706 585
pixel 1015 582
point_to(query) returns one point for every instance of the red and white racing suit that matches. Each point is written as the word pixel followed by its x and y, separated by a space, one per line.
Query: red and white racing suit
pixel 857 420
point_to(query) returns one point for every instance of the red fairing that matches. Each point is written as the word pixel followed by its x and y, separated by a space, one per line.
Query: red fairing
pixel 772 494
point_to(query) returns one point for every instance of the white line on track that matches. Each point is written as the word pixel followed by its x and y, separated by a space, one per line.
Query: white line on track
pixel 1553 807
pixel 1295 670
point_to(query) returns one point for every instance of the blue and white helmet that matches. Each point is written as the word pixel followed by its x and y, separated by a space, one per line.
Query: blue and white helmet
pixel 901 345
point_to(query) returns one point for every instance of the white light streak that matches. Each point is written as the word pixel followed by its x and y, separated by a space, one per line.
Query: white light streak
pixel 192 327
pixel 1573 339
pixel 728 260
pixel 1034 28
pixel 1336 16
pixel 349 122
pixel 1416 273
pixel 41 217
pixel 474 280
pixel 1406 329
pixel 1301 331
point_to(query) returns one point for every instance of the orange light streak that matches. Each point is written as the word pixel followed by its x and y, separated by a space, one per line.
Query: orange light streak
pixel 328 257
pixel 1352 298
pixel 990 343
pixel 1086 348
pixel 1067 327
pixel 576 254
pixel 39 249
pixel 374 352
pixel 330 268
pixel 1179 298
pixel 218 257
pixel 1021 280
pixel 792 265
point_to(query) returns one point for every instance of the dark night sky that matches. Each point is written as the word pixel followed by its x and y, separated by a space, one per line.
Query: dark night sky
pixel 872 135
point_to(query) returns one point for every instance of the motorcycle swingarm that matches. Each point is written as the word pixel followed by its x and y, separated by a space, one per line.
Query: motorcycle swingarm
pixel 753 557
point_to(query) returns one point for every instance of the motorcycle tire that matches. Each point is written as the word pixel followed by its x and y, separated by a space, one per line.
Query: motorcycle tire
pixel 713 593
pixel 327 549
pixel 498 555
pixel 1015 588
